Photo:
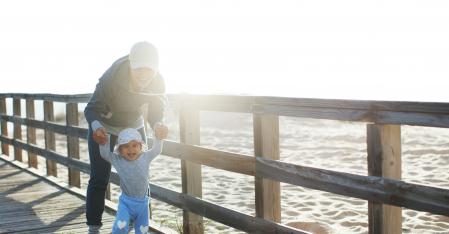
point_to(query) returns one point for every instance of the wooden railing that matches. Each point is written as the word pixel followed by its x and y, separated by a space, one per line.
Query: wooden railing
pixel 383 187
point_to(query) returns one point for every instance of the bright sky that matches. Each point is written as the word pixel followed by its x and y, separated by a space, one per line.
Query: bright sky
pixel 384 50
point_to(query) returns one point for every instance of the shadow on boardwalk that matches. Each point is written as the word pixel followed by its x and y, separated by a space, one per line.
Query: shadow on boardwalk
pixel 31 205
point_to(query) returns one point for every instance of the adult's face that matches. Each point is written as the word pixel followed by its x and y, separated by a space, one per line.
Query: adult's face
pixel 141 77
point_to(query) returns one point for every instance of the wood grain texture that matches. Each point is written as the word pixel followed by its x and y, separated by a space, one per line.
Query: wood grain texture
pixel 17 128
pixel 4 125
pixel 371 188
pixel 50 141
pixel 191 172
pixel 266 145
pixel 73 149
pixel 384 160
pixel 31 133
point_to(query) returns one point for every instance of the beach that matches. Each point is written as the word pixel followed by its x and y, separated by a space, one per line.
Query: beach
pixel 332 145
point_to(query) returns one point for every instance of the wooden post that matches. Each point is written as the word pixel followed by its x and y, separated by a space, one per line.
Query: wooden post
pixel 73 142
pixel 384 159
pixel 17 129
pixel 50 143
pixel 5 147
pixel 191 172
pixel 266 145
pixel 31 133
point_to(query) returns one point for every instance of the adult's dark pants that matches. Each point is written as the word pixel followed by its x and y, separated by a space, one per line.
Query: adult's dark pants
pixel 100 170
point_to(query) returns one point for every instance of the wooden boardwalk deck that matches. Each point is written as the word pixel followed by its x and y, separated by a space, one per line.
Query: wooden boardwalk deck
pixel 29 204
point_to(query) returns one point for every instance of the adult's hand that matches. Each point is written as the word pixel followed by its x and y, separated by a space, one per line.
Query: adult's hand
pixel 100 136
pixel 160 131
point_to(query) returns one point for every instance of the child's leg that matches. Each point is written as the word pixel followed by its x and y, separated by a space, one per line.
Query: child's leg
pixel 141 224
pixel 121 219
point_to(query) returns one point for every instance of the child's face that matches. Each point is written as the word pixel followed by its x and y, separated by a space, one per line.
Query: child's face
pixel 131 151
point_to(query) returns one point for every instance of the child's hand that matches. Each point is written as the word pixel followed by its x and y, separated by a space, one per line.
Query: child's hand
pixel 160 131
pixel 100 136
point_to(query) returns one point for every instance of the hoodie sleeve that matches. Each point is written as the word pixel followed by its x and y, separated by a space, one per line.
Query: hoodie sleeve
pixel 98 104
pixel 155 110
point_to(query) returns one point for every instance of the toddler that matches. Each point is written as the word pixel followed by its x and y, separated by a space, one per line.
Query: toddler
pixel 132 162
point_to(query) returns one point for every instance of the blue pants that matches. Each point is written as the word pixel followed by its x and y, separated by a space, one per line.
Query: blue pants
pixel 100 171
pixel 131 208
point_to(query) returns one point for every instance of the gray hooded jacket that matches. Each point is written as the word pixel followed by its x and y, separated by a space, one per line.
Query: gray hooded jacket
pixel 115 104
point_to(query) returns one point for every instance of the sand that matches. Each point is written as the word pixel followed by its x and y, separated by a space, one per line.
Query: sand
pixel 326 144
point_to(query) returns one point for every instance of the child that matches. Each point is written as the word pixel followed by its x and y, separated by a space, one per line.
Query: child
pixel 132 163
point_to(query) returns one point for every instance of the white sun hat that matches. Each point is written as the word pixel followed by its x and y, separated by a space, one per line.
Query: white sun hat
pixel 127 135
pixel 144 54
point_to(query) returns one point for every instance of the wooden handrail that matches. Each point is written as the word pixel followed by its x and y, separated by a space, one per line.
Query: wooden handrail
pixel 431 114
pixel 395 192
pixel 376 188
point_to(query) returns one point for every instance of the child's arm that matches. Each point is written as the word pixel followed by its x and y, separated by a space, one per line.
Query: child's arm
pixel 155 150
pixel 160 132
pixel 105 151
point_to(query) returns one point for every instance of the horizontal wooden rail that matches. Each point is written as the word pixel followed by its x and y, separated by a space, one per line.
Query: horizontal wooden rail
pixel 378 189
pixel 209 157
pixel 75 98
pixel 431 114
pixel 373 188
pixel 54 127
pixel 403 106
pixel 218 213
pixel 359 115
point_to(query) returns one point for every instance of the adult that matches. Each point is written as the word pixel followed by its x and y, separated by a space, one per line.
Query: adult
pixel 117 103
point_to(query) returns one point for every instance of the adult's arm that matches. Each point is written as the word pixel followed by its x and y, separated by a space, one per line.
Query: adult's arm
pixel 156 105
pixel 98 103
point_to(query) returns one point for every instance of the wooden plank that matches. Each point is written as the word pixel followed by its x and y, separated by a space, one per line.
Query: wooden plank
pixel 74 131
pixel 17 129
pixel 384 160
pixel 13 211
pixel 75 98
pixel 73 143
pixel 432 111
pixel 4 125
pixel 405 113
pixel 31 133
pixel 224 103
pixel 207 102
pixel 358 115
pixel 244 103
pixel 266 145
pixel 413 119
pixel 372 188
pixel 401 106
pixel 220 214
pixel 56 201
pixel 191 172
pixel 238 163
pixel 50 141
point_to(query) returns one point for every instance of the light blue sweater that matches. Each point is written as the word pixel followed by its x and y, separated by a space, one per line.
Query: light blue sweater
pixel 134 175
